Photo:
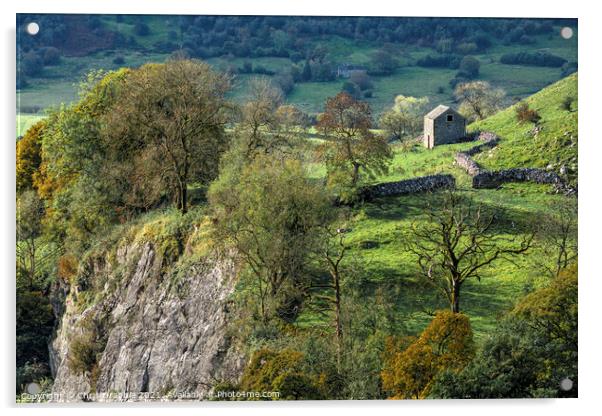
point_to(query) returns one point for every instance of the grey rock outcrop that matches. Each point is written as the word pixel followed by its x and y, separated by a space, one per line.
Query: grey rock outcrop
pixel 164 336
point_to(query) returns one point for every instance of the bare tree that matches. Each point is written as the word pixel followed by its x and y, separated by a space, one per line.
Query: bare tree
pixel 558 237
pixel 457 243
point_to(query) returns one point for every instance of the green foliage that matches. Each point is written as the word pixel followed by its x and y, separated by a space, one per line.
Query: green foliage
pixel 281 371
pixel 86 348
pixel 405 118
pixel 529 354
pixel 35 322
pixel 270 213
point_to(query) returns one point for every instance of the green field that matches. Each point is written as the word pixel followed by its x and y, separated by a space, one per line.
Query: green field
pixel 556 142
pixel 58 84
pixel 382 223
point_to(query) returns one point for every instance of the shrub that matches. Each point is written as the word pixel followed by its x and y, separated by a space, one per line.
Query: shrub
pixel 411 365
pixel 119 60
pixel 31 64
pixel 50 55
pixel 525 114
pixel 533 58
pixel 141 29
pixel 440 61
pixel 281 371
pixel 567 103
pixel 86 348
pixel 29 156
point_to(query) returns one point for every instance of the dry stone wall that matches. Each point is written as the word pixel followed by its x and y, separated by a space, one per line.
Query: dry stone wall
pixel 482 178
pixel 409 186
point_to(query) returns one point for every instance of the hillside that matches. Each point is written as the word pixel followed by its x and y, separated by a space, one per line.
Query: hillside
pixel 552 143
pixel 56 83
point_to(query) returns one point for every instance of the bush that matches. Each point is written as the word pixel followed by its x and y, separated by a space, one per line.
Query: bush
pixel 440 61
pixel 535 59
pixel 31 64
pixel 141 29
pixel 50 55
pixel 119 60
pixel 412 364
pixel 281 371
pixel 567 103
pixel 525 114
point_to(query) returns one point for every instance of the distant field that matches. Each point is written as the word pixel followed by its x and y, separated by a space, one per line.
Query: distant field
pixel 58 84
pixel 25 121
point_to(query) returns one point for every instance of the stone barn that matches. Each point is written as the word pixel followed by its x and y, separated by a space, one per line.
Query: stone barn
pixel 443 125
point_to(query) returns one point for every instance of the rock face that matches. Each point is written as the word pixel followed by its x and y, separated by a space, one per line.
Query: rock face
pixel 162 336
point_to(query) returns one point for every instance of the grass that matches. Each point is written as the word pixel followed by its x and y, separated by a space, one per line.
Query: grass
pixel 555 144
pixel 383 223
pixel 59 83
pixel 25 121
pixel 387 265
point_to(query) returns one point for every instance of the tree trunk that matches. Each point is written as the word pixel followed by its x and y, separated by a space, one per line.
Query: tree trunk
pixel 337 312
pixel 455 297
pixel 356 172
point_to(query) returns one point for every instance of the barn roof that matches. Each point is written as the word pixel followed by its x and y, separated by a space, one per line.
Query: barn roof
pixel 437 111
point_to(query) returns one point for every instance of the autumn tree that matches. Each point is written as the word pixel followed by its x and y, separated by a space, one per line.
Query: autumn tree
pixel 404 119
pixel 412 365
pixel 29 158
pixel 478 99
pixel 530 352
pixel 174 114
pixel 271 214
pixel 457 242
pixel 351 150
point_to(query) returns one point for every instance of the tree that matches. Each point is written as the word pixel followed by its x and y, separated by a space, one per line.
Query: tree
pixel 558 237
pixel 404 119
pixel 478 99
pixel 333 253
pixel 531 351
pixel 383 63
pixel 412 365
pixel 271 214
pixel 29 157
pixel 469 67
pixel 351 148
pixel 177 112
pixel 457 243
pixel 306 72
pixel 34 252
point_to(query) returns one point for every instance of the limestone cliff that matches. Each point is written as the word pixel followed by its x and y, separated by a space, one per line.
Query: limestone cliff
pixel 150 331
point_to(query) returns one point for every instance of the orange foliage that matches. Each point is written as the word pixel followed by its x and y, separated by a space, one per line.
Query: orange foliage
pixel 67 267
pixel 411 364
pixel 28 156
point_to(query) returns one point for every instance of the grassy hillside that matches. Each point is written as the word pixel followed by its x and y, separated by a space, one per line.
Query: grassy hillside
pixel 554 143
pixel 378 227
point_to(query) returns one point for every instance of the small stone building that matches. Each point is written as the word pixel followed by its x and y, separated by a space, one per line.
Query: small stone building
pixel 443 125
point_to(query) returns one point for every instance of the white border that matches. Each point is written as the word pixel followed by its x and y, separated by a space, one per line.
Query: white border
pixel 589 151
